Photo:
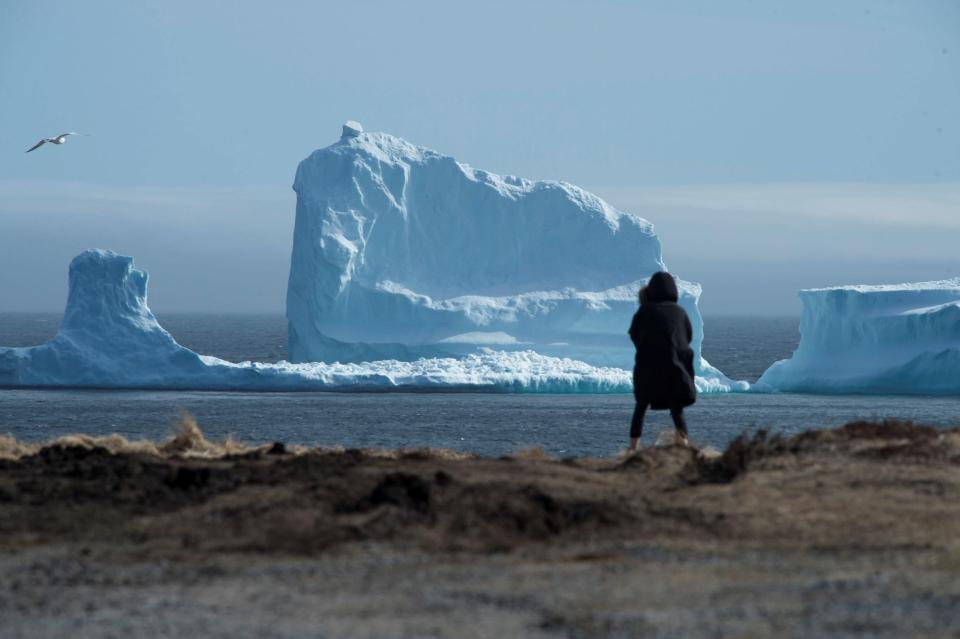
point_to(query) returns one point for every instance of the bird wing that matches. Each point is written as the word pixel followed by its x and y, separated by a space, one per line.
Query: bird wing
pixel 63 135
pixel 36 146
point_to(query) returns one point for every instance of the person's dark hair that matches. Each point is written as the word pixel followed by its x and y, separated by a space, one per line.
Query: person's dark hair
pixel 662 288
pixel 642 295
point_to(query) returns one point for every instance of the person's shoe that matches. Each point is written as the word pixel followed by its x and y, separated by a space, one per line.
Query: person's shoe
pixel 681 440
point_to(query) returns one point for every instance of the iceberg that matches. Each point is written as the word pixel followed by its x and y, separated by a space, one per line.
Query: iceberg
pixel 897 339
pixel 400 252
pixel 109 338
pixel 409 270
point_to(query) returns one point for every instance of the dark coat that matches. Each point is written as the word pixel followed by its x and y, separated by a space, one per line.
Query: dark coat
pixel 661 332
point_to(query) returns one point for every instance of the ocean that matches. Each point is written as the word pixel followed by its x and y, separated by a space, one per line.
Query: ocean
pixel 485 423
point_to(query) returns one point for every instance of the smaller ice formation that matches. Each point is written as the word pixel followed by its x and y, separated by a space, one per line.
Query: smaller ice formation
pixel 902 339
pixel 109 338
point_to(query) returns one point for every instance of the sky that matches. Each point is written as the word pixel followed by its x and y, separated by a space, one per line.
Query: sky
pixel 774 145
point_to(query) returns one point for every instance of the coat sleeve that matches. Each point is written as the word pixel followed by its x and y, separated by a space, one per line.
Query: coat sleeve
pixel 635 329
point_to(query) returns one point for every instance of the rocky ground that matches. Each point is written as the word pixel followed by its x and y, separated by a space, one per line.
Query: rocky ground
pixel 841 533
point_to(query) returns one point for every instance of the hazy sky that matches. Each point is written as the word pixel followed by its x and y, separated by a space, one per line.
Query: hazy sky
pixel 775 145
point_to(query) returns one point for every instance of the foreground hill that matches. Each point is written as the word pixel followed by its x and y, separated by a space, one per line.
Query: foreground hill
pixel 844 532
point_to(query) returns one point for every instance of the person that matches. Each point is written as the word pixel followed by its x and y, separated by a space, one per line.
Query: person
pixel 663 376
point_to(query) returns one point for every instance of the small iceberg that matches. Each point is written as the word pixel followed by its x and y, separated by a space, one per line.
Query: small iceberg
pixel 890 339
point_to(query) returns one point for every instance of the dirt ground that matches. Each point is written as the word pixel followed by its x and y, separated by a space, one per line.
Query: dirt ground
pixel 853 532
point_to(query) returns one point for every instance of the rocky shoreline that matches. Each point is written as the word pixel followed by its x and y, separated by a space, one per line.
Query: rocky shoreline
pixel 845 532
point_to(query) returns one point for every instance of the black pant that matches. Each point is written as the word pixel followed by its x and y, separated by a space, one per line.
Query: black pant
pixel 636 425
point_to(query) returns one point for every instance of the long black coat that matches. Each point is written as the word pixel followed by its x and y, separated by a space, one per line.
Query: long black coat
pixel 661 332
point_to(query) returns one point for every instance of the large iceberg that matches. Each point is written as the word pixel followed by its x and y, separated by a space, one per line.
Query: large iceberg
pixel 400 252
pixel 109 338
pixel 409 270
pixel 875 339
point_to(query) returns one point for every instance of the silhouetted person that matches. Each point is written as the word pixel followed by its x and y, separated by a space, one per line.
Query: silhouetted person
pixel 663 372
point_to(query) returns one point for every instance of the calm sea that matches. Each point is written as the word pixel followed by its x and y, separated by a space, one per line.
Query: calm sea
pixel 489 424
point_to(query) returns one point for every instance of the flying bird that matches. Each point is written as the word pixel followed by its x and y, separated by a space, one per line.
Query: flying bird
pixel 59 139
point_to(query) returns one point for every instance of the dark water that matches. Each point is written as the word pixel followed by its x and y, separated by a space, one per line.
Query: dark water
pixel 490 424
pixel 483 423
pixel 744 347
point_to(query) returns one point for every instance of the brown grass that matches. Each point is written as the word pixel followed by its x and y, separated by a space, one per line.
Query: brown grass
pixel 189 442
pixel 535 453
pixel 887 483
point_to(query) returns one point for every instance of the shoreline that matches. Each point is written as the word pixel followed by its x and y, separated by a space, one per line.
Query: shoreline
pixel 817 533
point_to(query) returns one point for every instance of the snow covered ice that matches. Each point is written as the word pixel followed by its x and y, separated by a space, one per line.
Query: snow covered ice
pixel 109 338
pixel 875 339
pixel 400 253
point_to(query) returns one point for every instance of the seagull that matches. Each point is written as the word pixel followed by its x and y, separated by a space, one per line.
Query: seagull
pixel 59 139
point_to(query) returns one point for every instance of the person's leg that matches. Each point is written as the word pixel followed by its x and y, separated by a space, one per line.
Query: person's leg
pixel 636 424
pixel 681 425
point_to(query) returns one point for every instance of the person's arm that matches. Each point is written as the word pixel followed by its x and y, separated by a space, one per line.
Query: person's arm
pixel 688 355
pixel 636 328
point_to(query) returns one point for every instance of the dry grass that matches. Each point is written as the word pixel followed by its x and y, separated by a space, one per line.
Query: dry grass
pixel 415 453
pixel 532 454
pixel 886 483
pixel 11 448
pixel 189 442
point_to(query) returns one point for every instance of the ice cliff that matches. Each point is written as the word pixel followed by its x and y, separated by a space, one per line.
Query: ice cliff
pixel 400 252
pixel 875 339
pixel 109 338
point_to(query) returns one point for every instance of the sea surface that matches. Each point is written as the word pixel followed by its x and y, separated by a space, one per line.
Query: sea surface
pixel 485 423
